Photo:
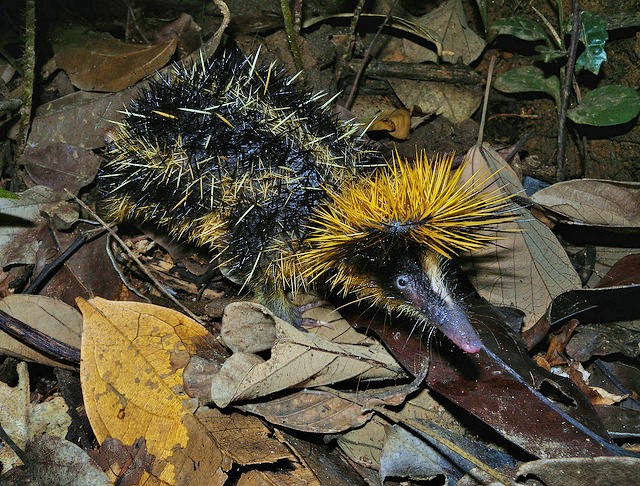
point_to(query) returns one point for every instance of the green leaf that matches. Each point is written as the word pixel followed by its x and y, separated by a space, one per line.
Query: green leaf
pixel 593 34
pixel 526 79
pixel 606 106
pixel 520 27
pixel 548 54
pixel 4 194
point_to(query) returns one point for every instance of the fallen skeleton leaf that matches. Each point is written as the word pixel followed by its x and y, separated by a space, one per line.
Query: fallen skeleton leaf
pixel 133 358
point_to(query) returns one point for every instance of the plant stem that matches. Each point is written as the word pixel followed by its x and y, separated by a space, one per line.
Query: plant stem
pixel 28 69
pixel 291 35
pixel 561 168
pixel 366 57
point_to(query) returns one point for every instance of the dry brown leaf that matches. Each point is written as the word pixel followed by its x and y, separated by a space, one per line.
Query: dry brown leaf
pixel 99 62
pixel 594 201
pixel 299 359
pixel 125 464
pixel 583 470
pixel 60 166
pixel 527 267
pixel 364 445
pixel 50 316
pixel 53 460
pixel 23 421
pixel 19 233
pixel 133 357
pixel 244 437
pixel 281 478
pixel 313 411
pixel 81 119
pixel 452 102
pixel 449 22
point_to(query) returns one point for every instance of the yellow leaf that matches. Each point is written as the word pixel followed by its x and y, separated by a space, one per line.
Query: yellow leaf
pixel 133 358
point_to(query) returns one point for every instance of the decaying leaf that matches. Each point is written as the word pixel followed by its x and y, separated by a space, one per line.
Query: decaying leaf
pixel 23 221
pixel 527 267
pixel 299 359
pixel 452 102
pixel 60 166
pixel 23 421
pixel 594 201
pixel 583 470
pixel 53 460
pixel 99 62
pixel 450 24
pixel 133 356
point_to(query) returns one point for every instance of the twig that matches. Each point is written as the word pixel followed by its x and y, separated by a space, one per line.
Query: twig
pixel 297 16
pixel 141 265
pixel 348 51
pixel 366 57
pixel 14 447
pixel 28 67
pixel 453 73
pixel 212 44
pixel 52 347
pixel 561 170
pixel 485 102
pixel 49 269
pixel 291 36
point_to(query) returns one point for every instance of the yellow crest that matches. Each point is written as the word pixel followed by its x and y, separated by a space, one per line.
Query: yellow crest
pixel 422 202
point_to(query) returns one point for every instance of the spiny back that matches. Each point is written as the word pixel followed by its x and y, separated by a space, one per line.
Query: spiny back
pixel 230 155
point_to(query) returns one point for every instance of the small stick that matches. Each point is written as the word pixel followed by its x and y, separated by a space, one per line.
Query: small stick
pixel 135 259
pixel 28 67
pixel 291 36
pixel 561 170
pixel 49 269
pixel 348 51
pixel 52 347
pixel 366 57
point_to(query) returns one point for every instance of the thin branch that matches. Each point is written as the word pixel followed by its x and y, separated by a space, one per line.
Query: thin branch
pixel 561 169
pixel 28 67
pixel 366 57
pixel 52 267
pixel 41 342
pixel 142 267
pixel 485 102
pixel 291 36
pixel 348 51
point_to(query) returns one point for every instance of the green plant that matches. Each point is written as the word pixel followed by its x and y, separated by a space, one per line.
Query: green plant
pixel 604 106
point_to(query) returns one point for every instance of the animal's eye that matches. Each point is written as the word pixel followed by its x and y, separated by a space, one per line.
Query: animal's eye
pixel 402 281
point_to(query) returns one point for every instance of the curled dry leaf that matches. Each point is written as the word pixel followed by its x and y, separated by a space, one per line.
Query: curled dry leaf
pixel 299 359
pixel 396 122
